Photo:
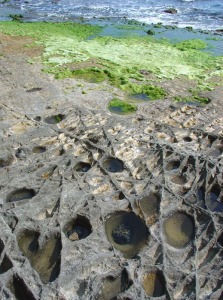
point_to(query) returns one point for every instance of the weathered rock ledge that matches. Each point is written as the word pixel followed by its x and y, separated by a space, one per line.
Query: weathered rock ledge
pixel 74 177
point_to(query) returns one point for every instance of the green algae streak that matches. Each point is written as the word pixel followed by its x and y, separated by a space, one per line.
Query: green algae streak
pixel 120 61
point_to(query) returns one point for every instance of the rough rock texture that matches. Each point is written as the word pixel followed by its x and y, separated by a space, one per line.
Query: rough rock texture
pixel 61 190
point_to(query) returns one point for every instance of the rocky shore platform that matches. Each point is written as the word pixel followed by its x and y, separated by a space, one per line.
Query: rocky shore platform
pixel 98 205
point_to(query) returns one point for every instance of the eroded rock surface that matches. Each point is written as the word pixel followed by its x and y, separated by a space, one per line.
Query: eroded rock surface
pixel 58 188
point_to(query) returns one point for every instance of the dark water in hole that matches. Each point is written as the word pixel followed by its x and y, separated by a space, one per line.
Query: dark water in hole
pixel 179 179
pixel 212 200
pixel 54 119
pixel 150 204
pixel 113 165
pixel 45 260
pixel 173 165
pixel 21 195
pixel 126 232
pixel 112 286
pixel 81 231
pixel 153 284
pixel 20 290
pixel 39 149
pixel 139 97
pixel 6 161
pixel 122 234
pixel 78 229
pixel 178 229
pixel 82 167
pixel 5 265
pixel 187 139
pixel 116 109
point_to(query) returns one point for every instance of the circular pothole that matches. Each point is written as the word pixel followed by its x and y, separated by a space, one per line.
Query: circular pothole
pixel 215 152
pixel 37 118
pixel 78 229
pixel 140 97
pixel 113 165
pixel 121 107
pixel 179 179
pixel 22 194
pixel 173 165
pixel 149 204
pixel 212 200
pixel 82 167
pixel 178 230
pixel 187 139
pixel 6 161
pixel 39 149
pixel 54 119
pixel 154 284
pixel 126 232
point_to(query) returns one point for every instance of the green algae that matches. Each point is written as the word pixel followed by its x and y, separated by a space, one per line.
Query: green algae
pixel 121 107
pixel 153 92
pixel 94 75
pixel 192 99
pixel 191 44
pixel 17 18
pixel 43 31
pixel 121 59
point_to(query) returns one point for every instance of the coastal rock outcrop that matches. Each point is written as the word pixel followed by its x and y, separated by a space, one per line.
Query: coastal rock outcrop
pixel 77 182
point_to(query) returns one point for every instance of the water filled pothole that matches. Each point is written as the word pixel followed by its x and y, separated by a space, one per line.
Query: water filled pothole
pixel 6 161
pixel 22 194
pixel 173 165
pixel 78 229
pixel 179 179
pixel 82 167
pixel 39 149
pixel 199 196
pixel 139 97
pixel 187 139
pixel 178 230
pixel 150 204
pixel 201 193
pixel 45 260
pixel 154 284
pixel 113 286
pixel 54 119
pixel 113 165
pixel 215 152
pixel 37 118
pixel 121 107
pixel 212 199
pixel 126 232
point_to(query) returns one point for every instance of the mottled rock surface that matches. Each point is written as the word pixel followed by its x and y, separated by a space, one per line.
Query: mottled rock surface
pixel 60 183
